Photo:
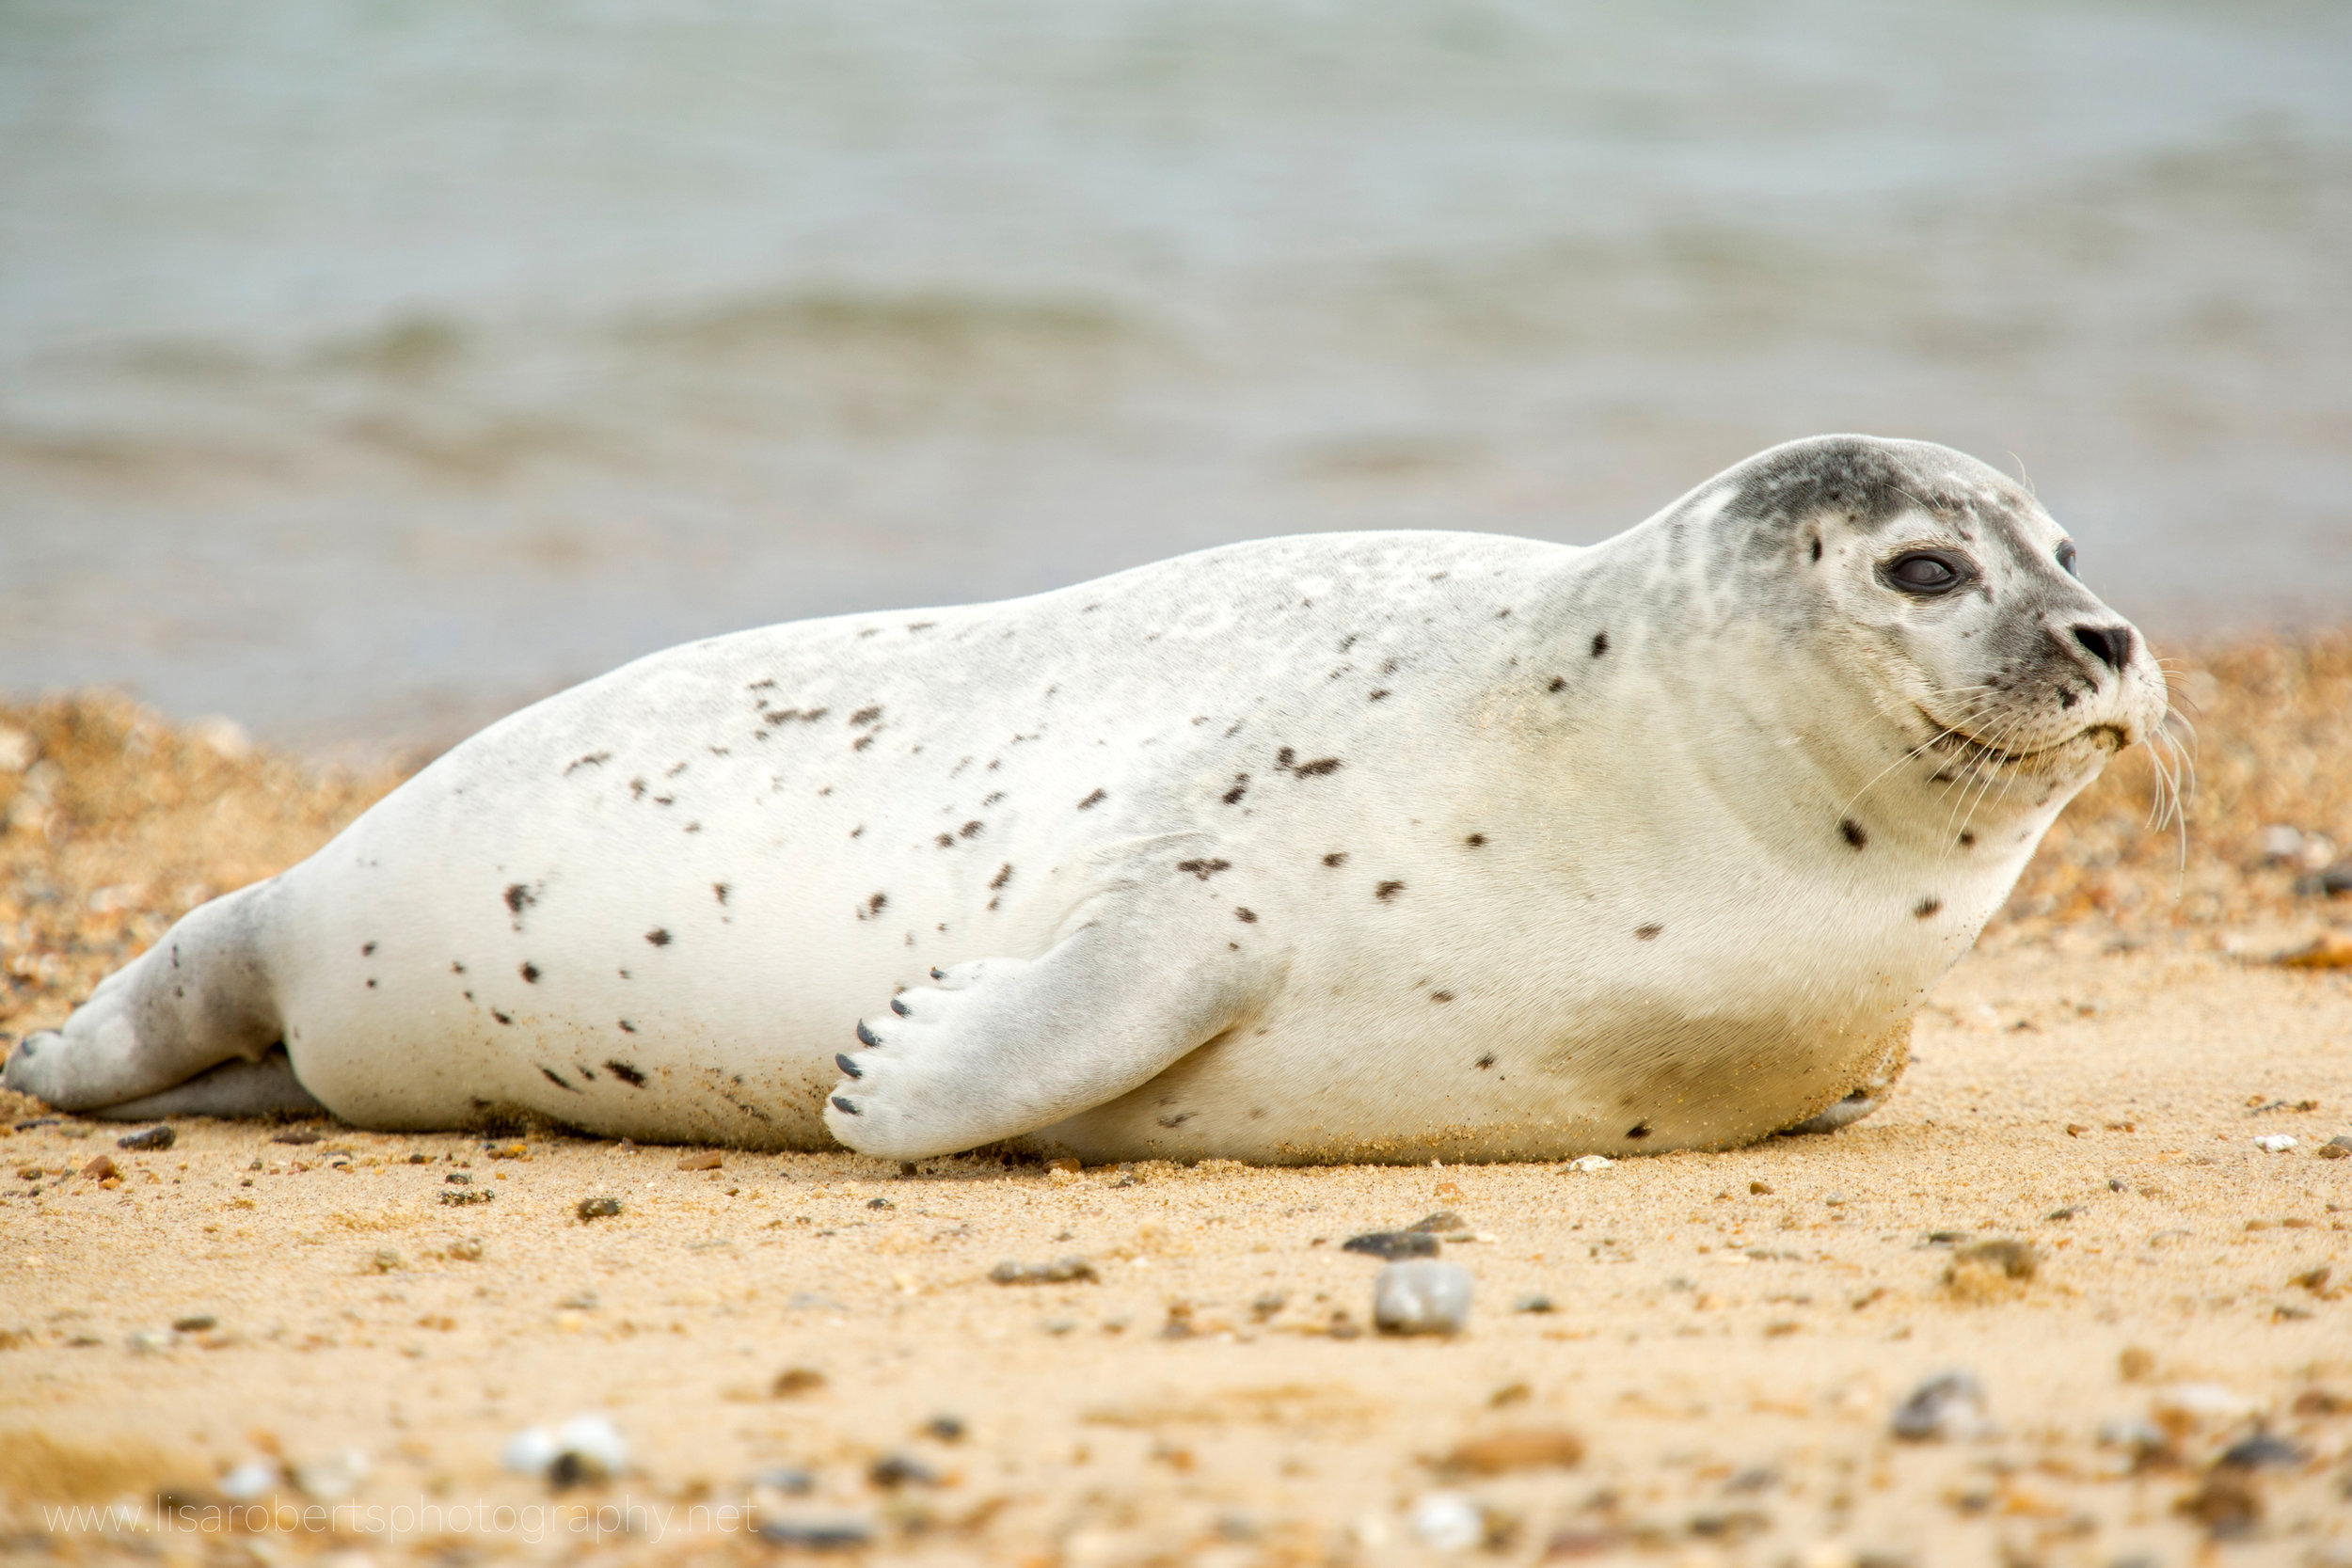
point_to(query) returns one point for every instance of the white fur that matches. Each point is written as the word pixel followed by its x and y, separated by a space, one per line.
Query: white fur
pixel 1108 995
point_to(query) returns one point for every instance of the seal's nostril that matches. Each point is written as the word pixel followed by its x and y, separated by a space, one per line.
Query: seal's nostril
pixel 2111 645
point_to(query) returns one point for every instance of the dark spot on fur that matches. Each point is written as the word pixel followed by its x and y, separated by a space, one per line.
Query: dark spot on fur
pixel 1926 907
pixel 857 831
pixel 1204 869
pixel 371 986
pixel 1601 643
pixel 878 903
pixel 946 841
pixel 1248 917
pixel 719 891
pixel 1241 787
pixel 1557 682
pixel 1648 933
pixel 1094 800
pixel 518 898
pixel 587 1072
pixel 1441 996
pixel 1386 891
pixel 1316 769
pixel 1337 857
pixel 1284 758
pixel 1852 830
pixel 500 1016
pixel 862 742
pixel 549 1073
pixel 1176 1120
pixel 456 968
pixel 864 716
pixel 626 1028
pixel 1004 875
pixel 1967 841
pixel 1378 694
pixel 1475 840
pixel 972 829
pixel 366 949
pixel 1487 1061
pixel 1816 547
pixel 991 798
pixel 530 972
pixel 1641 1132
pixel 625 1072
pixel 591 760
pixel 636 790
pixel 766 684
pixel 658 937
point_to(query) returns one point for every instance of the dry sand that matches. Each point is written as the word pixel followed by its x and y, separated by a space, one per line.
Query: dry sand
pixel 1727 1336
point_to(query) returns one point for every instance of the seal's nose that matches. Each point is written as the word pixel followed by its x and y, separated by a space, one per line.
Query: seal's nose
pixel 2111 645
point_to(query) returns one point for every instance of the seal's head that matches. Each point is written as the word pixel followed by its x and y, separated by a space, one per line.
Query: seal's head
pixel 1956 592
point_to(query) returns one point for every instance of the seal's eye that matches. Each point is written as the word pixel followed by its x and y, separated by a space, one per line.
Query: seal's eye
pixel 1926 573
pixel 2066 558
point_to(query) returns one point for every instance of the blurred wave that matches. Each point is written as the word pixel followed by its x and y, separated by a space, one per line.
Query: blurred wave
pixel 365 369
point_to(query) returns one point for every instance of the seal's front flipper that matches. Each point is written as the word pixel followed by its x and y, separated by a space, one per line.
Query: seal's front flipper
pixel 1005 1046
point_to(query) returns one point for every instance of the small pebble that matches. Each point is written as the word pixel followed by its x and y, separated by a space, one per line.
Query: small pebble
pixel 880 1203
pixel 100 1168
pixel 1422 1296
pixel 794 1380
pixel 1947 1407
pixel 457 1178
pixel 708 1159
pixel 468 1250
pixel 1448 1522
pixel 818 1535
pixel 1591 1162
pixel 902 1469
pixel 195 1323
pixel 1441 1223
pixel 385 1261
pixel 1061 1270
pixel 1392 1245
pixel 590 1208
pixel 154 1137
pixel 1534 1300
pixel 1760 1188
pixel 150 1342
pixel 789 1479
pixel 297 1135
pixel 249 1481
pixel 2275 1143
pixel 2261 1451
pixel 585 1450
pixel 459 1198
pixel 945 1428
pixel 2337 1147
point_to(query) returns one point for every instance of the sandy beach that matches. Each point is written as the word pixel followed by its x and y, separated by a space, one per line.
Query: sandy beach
pixel 275 1343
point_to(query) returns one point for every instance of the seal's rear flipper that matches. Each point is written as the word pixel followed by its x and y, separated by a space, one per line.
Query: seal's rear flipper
pixel 201 997
pixel 234 1089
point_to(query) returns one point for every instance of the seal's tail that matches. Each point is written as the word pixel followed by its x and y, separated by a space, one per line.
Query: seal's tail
pixel 154 1038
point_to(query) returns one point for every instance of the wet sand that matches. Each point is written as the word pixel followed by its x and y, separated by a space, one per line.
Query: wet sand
pixel 1723 1344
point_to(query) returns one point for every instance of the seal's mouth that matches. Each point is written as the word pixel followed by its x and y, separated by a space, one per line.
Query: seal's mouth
pixel 1955 742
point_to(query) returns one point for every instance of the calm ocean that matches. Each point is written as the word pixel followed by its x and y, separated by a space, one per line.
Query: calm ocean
pixel 367 368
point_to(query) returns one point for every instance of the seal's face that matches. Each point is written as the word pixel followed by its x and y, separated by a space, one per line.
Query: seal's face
pixel 1959 594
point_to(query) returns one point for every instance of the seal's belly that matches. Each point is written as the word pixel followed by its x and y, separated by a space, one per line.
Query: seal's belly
pixel 1481 1084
